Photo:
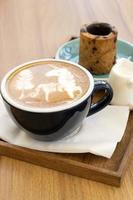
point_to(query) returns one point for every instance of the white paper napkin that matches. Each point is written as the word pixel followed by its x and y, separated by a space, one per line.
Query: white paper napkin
pixel 99 133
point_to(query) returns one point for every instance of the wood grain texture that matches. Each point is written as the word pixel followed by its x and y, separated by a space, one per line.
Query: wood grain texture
pixel 32 29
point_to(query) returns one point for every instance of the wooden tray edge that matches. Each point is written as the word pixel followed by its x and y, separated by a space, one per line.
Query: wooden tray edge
pixel 71 167
pixel 126 159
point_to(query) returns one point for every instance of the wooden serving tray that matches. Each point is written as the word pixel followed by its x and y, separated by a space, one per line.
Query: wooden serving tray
pixel 109 171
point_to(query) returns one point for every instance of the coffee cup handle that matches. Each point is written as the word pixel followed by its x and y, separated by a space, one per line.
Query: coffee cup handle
pixel 105 100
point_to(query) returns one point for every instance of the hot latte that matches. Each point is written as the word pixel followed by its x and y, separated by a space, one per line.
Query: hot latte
pixel 47 84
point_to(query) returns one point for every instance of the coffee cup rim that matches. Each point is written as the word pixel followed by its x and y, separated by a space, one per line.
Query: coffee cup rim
pixel 15 104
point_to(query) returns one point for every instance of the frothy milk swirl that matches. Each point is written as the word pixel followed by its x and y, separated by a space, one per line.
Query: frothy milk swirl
pixel 48 85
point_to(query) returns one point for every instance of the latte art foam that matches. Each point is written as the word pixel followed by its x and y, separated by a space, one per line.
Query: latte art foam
pixel 48 84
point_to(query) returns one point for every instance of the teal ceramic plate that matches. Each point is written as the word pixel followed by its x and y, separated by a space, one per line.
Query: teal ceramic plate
pixel 70 51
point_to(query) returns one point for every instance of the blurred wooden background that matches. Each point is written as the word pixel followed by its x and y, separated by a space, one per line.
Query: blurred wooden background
pixel 31 29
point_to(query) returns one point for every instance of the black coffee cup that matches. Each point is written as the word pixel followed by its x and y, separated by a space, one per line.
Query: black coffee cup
pixel 52 124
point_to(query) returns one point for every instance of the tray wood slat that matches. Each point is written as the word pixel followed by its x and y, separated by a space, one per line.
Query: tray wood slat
pixel 109 171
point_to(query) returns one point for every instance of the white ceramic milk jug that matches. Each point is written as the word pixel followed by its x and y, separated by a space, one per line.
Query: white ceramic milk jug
pixel 121 80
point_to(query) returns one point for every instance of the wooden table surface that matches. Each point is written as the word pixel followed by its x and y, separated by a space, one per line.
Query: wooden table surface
pixel 31 29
